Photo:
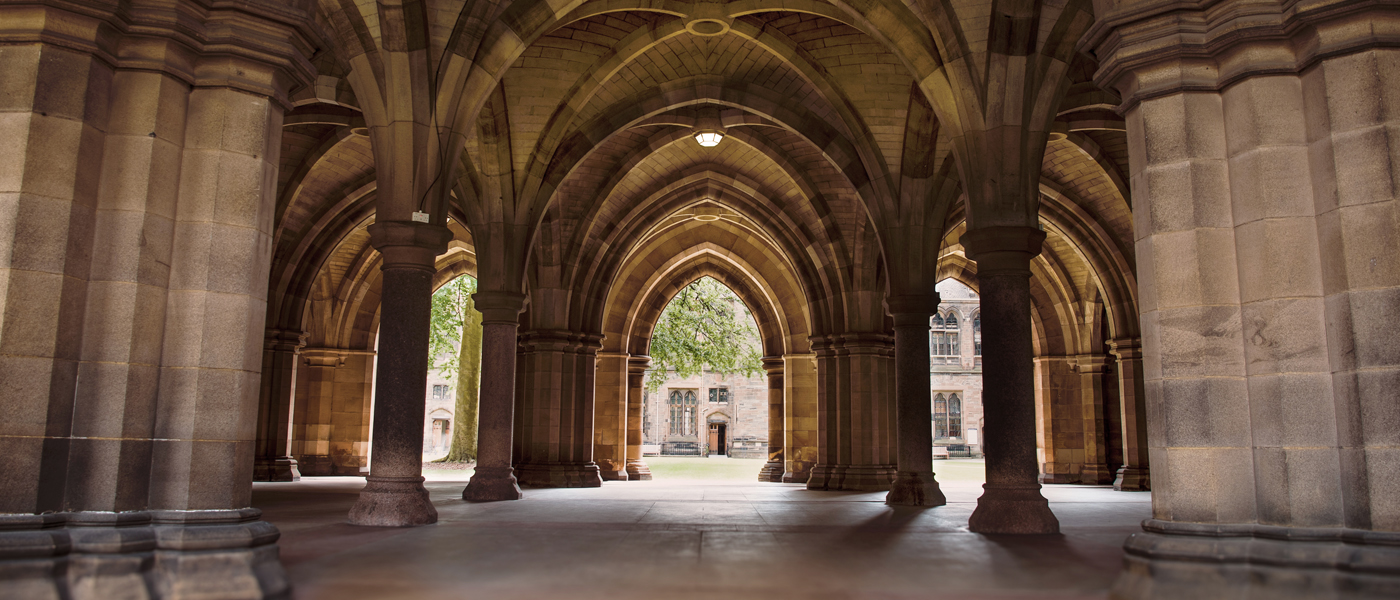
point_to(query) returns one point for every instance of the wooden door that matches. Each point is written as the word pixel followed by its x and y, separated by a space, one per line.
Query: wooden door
pixel 715 444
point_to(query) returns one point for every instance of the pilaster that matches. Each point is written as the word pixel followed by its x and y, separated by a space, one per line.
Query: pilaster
pixel 773 469
pixel 555 406
pixel 274 461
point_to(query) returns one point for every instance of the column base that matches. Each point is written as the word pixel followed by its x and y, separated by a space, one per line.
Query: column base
pixel 1133 479
pixel 858 478
pixel 145 554
pixel 637 470
pixel 797 472
pixel 282 468
pixel 611 470
pixel 567 475
pixel 1013 509
pixel 1192 560
pixel 1095 474
pixel 772 471
pixel 393 502
pixel 491 484
pixel 315 465
pixel 915 489
pixel 822 477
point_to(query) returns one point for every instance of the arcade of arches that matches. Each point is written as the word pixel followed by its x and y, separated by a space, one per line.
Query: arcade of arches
pixel 221 223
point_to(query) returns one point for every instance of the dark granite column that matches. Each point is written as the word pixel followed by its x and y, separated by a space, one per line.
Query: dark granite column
pixel 495 478
pixel 637 469
pixel 275 462
pixel 1011 500
pixel 914 484
pixel 1134 475
pixel 393 495
pixel 773 469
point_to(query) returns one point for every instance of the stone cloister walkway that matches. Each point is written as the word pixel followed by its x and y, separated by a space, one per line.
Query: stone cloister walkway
pixel 682 539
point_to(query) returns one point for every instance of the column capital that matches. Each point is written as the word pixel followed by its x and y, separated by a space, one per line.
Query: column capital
pixel 638 363
pixel 499 307
pixel 1090 363
pixel 1156 48
pixel 1003 248
pixel 773 365
pixel 1126 348
pixel 323 357
pixel 409 245
pixel 284 340
pixel 911 309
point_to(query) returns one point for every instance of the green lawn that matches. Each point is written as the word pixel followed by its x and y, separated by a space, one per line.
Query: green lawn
pixel 746 469
pixel 739 469
pixel 694 467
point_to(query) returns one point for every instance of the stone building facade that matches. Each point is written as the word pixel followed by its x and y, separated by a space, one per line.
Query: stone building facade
pixel 955 365
pixel 729 416
pixel 1181 219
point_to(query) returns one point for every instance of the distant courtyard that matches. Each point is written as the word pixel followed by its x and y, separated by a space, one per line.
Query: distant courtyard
pixel 722 468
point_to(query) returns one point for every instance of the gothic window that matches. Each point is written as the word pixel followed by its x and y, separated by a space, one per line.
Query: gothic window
pixel 439 392
pixel 954 416
pixel 940 416
pixel 720 395
pixel 977 338
pixel 946 346
pixel 683 410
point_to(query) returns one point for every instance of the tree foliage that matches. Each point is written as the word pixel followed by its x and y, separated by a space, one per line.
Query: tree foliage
pixel 705 326
pixel 451 305
pixel 455 348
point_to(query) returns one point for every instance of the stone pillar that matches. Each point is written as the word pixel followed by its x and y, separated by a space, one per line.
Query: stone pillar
pixel 800 417
pixel 1134 475
pixel 554 447
pixel 1055 406
pixel 312 421
pixel 1011 500
pixel 610 416
pixel 274 460
pixel 637 469
pixel 914 483
pixel 495 478
pixel 1269 269
pixel 394 495
pixel 855 413
pixel 1094 466
pixel 773 469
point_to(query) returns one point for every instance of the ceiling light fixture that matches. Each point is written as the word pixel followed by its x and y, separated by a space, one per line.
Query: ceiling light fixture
pixel 708 139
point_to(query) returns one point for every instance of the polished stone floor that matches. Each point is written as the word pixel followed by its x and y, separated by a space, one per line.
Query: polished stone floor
pixel 695 539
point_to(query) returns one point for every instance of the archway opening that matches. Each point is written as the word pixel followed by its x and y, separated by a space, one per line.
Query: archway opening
pixel 706 394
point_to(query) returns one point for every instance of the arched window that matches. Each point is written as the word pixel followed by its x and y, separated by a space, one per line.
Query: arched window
pixel 935 324
pixel 954 416
pixel 945 340
pixel 940 416
pixel 677 410
pixel 947 416
pixel 690 412
pixel 977 338
pixel 683 410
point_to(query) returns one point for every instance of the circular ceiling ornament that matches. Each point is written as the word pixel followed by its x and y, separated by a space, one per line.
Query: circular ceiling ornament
pixel 707 27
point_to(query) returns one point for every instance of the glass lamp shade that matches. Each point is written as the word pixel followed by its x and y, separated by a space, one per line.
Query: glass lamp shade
pixel 708 139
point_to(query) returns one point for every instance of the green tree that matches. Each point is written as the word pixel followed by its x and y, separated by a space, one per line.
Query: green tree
pixel 704 326
pixel 454 345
